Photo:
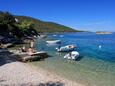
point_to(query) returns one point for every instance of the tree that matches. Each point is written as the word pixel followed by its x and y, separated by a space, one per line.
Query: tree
pixel 6 23
pixel 9 26
pixel 6 18
pixel 27 28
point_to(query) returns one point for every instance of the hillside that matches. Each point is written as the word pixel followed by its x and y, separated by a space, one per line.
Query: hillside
pixel 42 26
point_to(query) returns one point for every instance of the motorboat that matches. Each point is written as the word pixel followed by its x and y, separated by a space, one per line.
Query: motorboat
pixel 53 41
pixel 66 48
pixel 72 55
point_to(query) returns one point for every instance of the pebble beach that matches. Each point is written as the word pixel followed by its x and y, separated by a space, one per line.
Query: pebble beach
pixel 14 73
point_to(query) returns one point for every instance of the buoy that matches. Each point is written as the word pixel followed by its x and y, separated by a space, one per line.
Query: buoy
pixel 100 46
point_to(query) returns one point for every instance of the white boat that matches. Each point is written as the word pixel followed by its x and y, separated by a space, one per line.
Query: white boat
pixel 72 55
pixel 66 48
pixel 53 41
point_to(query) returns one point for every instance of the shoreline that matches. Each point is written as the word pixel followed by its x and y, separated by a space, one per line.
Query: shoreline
pixel 18 74
pixel 15 73
pixel 92 78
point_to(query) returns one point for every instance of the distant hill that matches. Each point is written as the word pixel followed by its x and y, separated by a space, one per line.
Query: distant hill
pixel 42 26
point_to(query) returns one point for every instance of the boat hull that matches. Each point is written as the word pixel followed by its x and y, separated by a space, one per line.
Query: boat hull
pixel 54 42
pixel 66 48
pixel 72 55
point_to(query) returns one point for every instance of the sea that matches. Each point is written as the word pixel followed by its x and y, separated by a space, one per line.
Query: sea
pixel 94 67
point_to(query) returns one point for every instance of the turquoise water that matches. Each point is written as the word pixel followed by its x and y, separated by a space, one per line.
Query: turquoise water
pixel 94 67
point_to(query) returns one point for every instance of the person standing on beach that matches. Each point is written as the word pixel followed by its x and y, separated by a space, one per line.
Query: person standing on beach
pixel 32 44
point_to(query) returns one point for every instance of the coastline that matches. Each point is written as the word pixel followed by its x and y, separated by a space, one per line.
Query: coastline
pixel 72 72
pixel 28 50
pixel 18 74
pixel 15 73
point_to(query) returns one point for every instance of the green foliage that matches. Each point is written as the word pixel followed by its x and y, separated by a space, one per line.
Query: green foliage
pixel 42 26
pixel 28 26
pixel 6 23
pixel 6 18
pixel 25 24
pixel 9 26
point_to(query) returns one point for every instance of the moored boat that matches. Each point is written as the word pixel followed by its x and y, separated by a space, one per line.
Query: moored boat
pixel 53 41
pixel 66 48
pixel 72 55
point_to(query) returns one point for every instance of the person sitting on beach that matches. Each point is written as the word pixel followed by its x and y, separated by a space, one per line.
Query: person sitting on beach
pixel 23 49
pixel 31 51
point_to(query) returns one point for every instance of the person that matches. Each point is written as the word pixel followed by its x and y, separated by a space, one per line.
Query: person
pixel 23 49
pixel 30 50
pixel 32 44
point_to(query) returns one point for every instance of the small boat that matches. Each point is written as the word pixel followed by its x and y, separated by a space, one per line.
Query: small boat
pixel 53 41
pixel 66 48
pixel 72 55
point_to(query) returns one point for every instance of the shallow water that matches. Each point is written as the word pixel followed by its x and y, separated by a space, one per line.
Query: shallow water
pixel 94 67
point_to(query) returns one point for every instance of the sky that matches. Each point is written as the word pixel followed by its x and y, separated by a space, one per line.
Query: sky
pixel 87 15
